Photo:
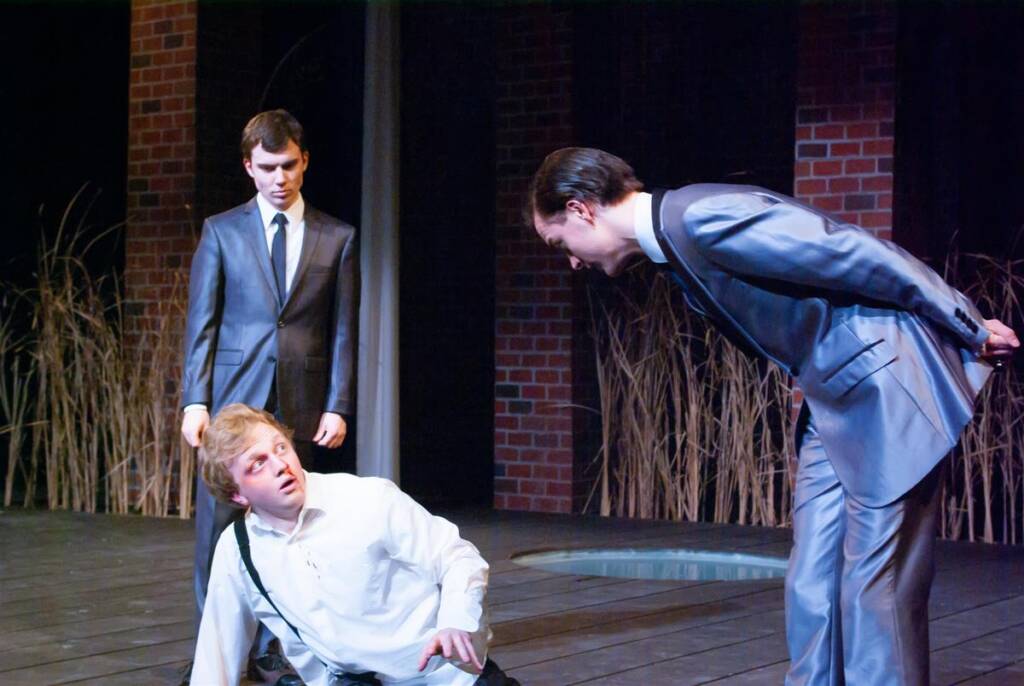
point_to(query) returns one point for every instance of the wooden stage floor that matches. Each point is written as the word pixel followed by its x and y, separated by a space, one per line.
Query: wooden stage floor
pixel 99 599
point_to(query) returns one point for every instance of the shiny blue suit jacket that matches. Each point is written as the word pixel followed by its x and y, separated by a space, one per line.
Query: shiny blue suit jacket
pixel 885 351
pixel 238 336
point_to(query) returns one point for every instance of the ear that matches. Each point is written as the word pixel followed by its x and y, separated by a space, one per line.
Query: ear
pixel 247 163
pixel 580 209
pixel 240 500
pixel 305 161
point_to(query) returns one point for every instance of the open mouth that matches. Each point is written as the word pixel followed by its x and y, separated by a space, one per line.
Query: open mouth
pixel 288 485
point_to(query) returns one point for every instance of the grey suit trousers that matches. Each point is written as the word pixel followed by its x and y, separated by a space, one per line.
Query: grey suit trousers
pixel 858 580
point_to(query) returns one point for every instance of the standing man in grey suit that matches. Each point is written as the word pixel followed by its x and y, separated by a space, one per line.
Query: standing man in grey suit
pixel 271 314
pixel 889 357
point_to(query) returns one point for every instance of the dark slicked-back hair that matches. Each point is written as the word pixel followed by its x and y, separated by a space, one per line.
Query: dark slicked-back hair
pixel 272 130
pixel 589 175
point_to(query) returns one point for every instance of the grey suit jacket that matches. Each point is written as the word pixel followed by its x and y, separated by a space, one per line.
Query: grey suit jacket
pixel 238 336
pixel 885 351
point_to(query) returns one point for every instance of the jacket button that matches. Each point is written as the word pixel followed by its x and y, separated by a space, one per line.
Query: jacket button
pixel 280 323
pixel 271 358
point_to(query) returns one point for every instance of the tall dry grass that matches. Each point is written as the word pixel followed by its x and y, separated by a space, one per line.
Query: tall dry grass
pixel 100 436
pixel 983 499
pixel 16 379
pixel 692 429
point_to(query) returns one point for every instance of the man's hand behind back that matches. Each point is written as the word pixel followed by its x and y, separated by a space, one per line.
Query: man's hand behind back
pixel 1002 341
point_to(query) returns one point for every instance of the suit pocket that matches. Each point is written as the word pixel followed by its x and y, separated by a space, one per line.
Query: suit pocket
pixel 316 364
pixel 228 357
pixel 857 365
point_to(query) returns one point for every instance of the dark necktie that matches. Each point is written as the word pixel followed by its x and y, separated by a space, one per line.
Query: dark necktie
pixel 278 256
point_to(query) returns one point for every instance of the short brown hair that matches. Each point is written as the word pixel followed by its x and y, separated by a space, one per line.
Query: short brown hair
pixel 586 174
pixel 272 129
pixel 226 438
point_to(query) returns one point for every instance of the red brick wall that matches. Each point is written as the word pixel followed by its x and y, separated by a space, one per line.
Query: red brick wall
pixel 845 111
pixel 533 438
pixel 161 152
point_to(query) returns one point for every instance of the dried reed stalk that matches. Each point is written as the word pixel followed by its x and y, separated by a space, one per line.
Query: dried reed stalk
pixel 104 417
pixel 16 376
pixel 688 422
pixel 983 497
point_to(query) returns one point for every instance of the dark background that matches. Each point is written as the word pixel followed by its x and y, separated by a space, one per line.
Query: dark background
pixel 64 124
pixel 959 162
pixel 701 91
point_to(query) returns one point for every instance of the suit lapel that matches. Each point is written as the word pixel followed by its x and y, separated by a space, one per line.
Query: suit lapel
pixel 694 290
pixel 684 276
pixel 310 238
pixel 256 237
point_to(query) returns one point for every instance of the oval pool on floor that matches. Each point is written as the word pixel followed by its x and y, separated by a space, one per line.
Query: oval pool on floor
pixel 664 564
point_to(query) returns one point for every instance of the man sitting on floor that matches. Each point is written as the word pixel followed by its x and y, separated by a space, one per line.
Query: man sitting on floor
pixel 359 583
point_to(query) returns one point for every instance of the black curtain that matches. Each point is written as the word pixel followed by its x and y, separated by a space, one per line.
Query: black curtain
pixel 959 140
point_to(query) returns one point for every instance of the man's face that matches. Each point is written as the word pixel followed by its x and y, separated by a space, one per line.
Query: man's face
pixel 583 237
pixel 269 476
pixel 278 175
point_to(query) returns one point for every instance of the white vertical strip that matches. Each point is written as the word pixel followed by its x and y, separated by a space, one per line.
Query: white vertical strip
pixel 377 426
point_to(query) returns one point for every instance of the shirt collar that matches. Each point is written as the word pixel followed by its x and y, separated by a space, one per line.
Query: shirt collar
pixel 643 224
pixel 295 213
pixel 313 506
pixel 315 496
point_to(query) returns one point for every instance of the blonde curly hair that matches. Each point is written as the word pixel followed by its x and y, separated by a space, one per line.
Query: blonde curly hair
pixel 227 437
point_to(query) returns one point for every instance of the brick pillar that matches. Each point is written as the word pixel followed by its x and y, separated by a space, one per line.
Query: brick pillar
pixel 533 439
pixel 845 111
pixel 161 153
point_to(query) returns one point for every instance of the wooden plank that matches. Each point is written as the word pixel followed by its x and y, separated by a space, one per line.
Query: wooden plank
pixel 729 657
pixel 98 644
pixel 93 666
pixel 612 613
pixel 613 631
pixel 979 656
pixel 1010 675
pixel 97 599
pixel 643 656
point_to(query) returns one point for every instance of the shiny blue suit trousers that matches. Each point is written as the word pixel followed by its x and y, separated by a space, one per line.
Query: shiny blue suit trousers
pixel 858 580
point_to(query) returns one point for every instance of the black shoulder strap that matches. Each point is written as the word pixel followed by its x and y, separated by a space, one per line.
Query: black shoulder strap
pixel 242 536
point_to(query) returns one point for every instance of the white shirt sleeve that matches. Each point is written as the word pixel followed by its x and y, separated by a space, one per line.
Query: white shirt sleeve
pixel 433 545
pixel 229 624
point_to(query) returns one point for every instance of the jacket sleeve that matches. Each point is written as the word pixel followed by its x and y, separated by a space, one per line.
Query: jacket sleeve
pixel 346 301
pixel 760 236
pixel 205 302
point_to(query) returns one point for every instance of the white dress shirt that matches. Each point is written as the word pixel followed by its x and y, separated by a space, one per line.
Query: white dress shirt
pixel 294 232
pixel 367 576
pixel 643 224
